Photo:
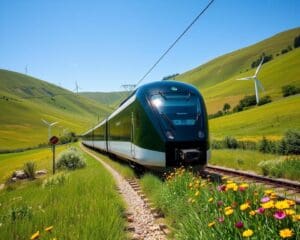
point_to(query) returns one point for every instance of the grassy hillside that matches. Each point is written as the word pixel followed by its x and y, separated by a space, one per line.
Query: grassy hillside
pixel 109 99
pixel 271 120
pixel 217 78
pixel 24 101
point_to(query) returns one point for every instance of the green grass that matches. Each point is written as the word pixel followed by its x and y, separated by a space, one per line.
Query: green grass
pixel 271 120
pixel 86 206
pixel 13 161
pixel 22 110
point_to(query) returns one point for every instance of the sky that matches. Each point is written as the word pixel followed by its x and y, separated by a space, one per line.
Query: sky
pixel 102 45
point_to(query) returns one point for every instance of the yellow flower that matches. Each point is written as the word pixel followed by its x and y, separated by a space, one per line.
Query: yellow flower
pixel 247 233
pixel 190 185
pixel 210 200
pixel 229 181
pixel 282 204
pixel 296 217
pixel 290 202
pixel 227 208
pixel 197 194
pixel 211 224
pixel 252 213
pixel 269 191
pixel 244 206
pixel 229 212
pixel 290 212
pixel 232 186
pixel 225 177
pixel 273 196
pixel 244 185
pixel 35 235
pixel 286 233
pixel 267 205
pixel 49 229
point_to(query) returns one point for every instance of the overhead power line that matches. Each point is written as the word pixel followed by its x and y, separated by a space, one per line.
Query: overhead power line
pixel 174 43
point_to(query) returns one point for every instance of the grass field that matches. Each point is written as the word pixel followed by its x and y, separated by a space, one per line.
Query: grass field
pixel 86 206
pixel 270 120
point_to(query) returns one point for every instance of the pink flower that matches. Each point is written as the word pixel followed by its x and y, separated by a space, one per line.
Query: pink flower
pixel 221 188
pixel 260 210
pixel 239 224
pixel 221 219
pixel 265 199
pixel 279 215
pixel 220 203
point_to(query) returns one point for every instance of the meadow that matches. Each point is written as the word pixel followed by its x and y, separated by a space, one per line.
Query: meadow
pixel 79 204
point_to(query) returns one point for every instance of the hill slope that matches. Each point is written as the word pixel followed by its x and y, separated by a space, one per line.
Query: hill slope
pixel 217 78
pixel 25 100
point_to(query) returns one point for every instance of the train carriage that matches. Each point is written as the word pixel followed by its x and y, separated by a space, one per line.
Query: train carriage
pixel 161 124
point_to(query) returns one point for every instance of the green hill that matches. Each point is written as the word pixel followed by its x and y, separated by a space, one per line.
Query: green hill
pixel 217 78
pixel 25 100
pixel 109 99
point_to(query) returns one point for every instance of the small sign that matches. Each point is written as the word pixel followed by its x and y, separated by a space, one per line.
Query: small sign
pixel 54 140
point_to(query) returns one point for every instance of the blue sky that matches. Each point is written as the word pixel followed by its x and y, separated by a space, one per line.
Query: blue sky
pixel 104 44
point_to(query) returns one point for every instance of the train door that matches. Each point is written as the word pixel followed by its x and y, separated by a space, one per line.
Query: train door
pixel 132 146
pixel 106 135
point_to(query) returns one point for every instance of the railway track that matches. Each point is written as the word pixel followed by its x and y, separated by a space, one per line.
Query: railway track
pixel 283 188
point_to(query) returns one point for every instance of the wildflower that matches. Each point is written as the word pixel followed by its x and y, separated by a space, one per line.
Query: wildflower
pixel 220 203
pixel 290 212
pixel 252 213
pixel 265 199
pixel 35 235
pixel 190 185
pixel 221 219
pixel 234 204
pixel 49 229
pixel 268 205
pixel 261 210
pixel 282 204
pixel 190 200
pixel 273 196
pixel 247 233
pixel 197 194
pixel 239 224
pixel 286 233
pixel 290 202
pixel 279 215
pixel 296 217
pixel 225 177
pixel 232 186
pixel 227 208
pixel 244 206
pixel 243 187
pixel 211 224
pixel 229 212
pixel 221 188
pixel 210 200
pixel 269 191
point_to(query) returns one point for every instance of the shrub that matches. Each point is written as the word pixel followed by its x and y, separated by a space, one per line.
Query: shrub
pixel 29 169
pixel 216 144
pixel 248 101
pixel 264 100
pixel 290 144
pixel 58 179
pixel 230 142
pixel 297 42
pixel 70 159
pixel 267 146
pixel 289 90
pixel 247 145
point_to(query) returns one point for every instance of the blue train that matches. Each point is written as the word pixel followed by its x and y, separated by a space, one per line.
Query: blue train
pixel 161 124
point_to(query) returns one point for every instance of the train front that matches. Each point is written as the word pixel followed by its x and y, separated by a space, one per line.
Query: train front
pixel 181 114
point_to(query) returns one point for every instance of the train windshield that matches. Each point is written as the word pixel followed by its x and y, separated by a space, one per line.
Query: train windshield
pixel 177 109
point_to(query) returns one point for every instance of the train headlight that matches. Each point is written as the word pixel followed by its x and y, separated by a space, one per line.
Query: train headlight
pixel 169 135
pixel 201 134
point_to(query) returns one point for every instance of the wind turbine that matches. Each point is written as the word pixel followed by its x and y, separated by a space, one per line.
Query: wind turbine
pixel 49 127
pixel 257 83
pixel 77 87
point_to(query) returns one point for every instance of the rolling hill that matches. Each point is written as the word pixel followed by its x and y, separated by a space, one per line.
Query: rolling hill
pixel 25 100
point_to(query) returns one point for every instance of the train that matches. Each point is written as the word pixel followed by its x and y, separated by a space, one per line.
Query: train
pixel 161 124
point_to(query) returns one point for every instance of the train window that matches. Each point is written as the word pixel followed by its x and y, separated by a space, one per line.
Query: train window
pixel 177 109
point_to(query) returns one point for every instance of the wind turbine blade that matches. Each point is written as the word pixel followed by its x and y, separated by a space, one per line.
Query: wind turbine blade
pixel 260 85
pixel 52 124
pixel 245 78
pixel 259 66
pixel 44 121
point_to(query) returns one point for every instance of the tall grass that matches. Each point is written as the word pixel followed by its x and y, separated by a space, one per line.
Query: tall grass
pixel 83 206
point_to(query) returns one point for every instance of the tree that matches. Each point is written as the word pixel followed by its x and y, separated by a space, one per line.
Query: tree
pixel 289 90
pixel 297 42
pixel 226 107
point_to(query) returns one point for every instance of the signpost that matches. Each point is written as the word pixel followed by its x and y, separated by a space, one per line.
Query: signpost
pixel 53 141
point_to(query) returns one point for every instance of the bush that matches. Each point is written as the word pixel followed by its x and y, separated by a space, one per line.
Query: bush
pixel 264 100
pixel 29 169
pixel 297 42
pixel 247 145
pixel 267 146
pixel 70 159
pixel 289 90
pixel 248 101
pixel 58 179
pixel 230 142
pixel 290 144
